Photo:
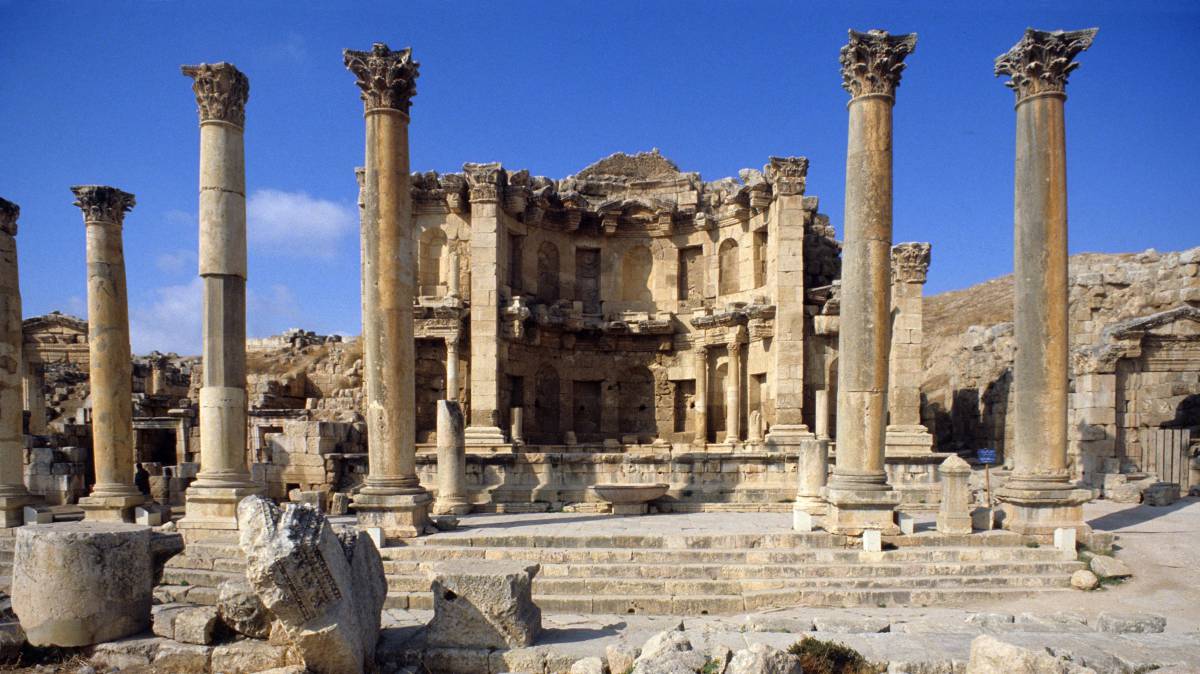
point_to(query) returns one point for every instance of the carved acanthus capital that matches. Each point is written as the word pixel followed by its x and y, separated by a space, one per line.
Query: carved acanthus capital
pixel 388 79
pixel 101 203
pixel 872 62
pixel 910 262
pixel 9 212
pixel 485 181
pixel 787 175
pixel 221 92
pixel 1040 62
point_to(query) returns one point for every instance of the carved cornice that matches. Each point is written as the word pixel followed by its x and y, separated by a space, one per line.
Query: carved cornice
pixel 101 203
pixel 388 79
pixel 1040 62
pixel 910 262
pixel 221 92
pixel 787 175
pixel 872 62
pixel 485 181
pixel 9 212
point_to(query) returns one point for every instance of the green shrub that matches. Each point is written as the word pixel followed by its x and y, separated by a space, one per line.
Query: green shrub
pixel 825 657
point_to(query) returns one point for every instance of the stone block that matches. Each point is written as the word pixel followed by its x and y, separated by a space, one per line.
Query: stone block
pixel 483 606
pixel 82 583
pixel 1109 567
pixel 241 610
pixel 802 521
pixel 1131 623
pixel 196 625
pixel 908 523
pixel 1161 494
pixel 990 655
pixel 761 658
pixel 1084 580
pixel 1064 542
pixel 983 519
pixel 38 514
pixel 872 540
pixel 148 515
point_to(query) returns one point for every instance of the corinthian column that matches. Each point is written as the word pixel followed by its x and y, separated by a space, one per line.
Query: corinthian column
pixel 221 93
pixel 858 493
pixel 905 434
pixel 392 497
pixel 13 494
pixel 1038 498
pixel 111 368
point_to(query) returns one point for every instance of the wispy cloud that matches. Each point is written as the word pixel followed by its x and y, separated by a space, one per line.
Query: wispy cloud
pixel 176 261
pixel 170 322
pixel 296 224
pixel 272 311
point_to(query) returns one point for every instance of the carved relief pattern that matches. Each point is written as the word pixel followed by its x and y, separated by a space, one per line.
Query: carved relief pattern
pixel 1041 61
pixel 8 217
pixel 221 92
pixel 101 203
pixel 872 61
pixel 787 175
pixel 486 181
pixel 388 79
pixel 910 262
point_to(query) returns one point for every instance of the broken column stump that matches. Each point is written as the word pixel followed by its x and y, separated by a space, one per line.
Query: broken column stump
pixel 82 583
pixel 483 605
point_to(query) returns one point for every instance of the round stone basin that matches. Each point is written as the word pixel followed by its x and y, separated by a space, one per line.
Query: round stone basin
pixel 628 498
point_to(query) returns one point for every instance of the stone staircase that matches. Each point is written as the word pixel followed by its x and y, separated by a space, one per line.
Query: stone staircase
pixel 700 574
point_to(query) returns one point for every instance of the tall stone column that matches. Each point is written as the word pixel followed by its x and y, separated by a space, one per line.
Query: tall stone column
pixel 13 494
pixel 700 400
pixel 221 92
pixel 486 183
pixel 110 376
pixel 733 393
pixel 858 493
pixel 905 434
pixel 392 497
pixel 452 376
pixel 33 382
pixel 1038 498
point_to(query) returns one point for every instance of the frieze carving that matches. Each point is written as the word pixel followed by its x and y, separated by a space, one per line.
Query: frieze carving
pixel 388 79
pixel 1041 61
pixel 486 181
pixel 221 92
pixel 9 212
pixel 101 203
pixel 910 262
pixel 872 62
pixel 787 175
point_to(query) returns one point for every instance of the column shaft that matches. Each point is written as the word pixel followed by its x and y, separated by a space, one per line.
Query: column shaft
pixel 700 399
pixel 452 376
pixel 34 384
pixel 14 372
pixel 733 394
pixel 906 437
pixel 484 427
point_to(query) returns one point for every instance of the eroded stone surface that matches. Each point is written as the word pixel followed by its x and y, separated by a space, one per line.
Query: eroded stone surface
pixel 484 605
pixel 242 611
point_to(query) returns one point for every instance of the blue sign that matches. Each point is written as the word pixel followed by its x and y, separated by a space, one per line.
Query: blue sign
pixel 987 456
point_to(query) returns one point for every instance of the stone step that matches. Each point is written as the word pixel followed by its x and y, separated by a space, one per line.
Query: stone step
pixel 817 539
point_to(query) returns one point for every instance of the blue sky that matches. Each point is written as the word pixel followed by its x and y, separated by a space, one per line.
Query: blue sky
pixel 90 92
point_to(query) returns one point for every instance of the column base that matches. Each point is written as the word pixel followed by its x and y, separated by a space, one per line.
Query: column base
pixel 110 508
pixel 398 515
pixel 907 441
pixel 12 509
pixel 954 524
pixel 484 435
pixel 852 511
pixel 1039 511
pixel 212 511
pixel 813 456
pixel 457 505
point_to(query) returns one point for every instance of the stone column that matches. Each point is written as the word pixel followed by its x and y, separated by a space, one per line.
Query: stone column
pixel 821 413
pixel 700 400
pixel 905 434
pixel 858 493
pixel 224 480
pixel 452 377
pixel 1038 498
pixel 111 367
pixel 451 461
pixel 453 271
pixel 486 183
pixel 392 497
pixel 33 383
pixel 517 415
pixel 954 513
pixel 13 494
pixel 733 393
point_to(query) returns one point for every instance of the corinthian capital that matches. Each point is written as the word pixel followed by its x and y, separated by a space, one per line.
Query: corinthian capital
pixel 388 79
pixel 486 181
pixel 910 262
pixel 221 92
pixel 1040 62
pixel 787 175
pixel 101 203
pixel 8 217
pixel 872 62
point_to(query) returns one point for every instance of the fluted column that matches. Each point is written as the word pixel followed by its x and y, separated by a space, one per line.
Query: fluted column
pixel 1038 497
pixel 452 376
pixel 858 492
pixel 700 399
pixel 221 92
pixel 905 434
pixel 111 368
pixel 13 494
pixel 733 393
pixel 392 497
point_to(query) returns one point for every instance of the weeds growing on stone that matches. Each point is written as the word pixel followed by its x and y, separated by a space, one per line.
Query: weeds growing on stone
pixel 826 657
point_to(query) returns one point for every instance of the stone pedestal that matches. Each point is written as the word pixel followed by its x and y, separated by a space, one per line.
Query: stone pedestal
pixel 811 472
pixel 483 605
pixel 392 497
pixel 82 583
pixel 858 494
pixel 1038 497
pixel 451 461
pixel 13 494
pixel 111 369
pixel 954 514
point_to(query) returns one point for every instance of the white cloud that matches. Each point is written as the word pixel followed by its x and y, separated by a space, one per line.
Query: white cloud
pixel 271 312
pixel 171 322
pixel 176 261
pixel 296 224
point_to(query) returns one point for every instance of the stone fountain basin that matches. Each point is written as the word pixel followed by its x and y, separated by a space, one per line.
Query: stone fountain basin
pixel 630 494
